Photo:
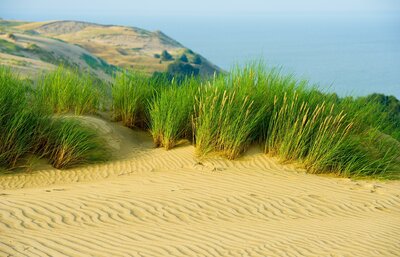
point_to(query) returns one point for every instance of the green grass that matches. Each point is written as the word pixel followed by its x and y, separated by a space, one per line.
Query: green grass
pixel 64 91
pixel 376 110
pixel 171 112
pixel 26 128
pixel 225 121
pixel 252 105
pixel 130 95
pixel 10 48
pixel 294 121
pixel 287 117
pixel 11 23
pixel 43 55
pixel 98 63
pixel 68 143
pixel 17 121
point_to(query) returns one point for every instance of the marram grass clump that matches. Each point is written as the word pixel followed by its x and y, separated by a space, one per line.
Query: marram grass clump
pixel 17 119
pixel 320 137
pixel 26 128
pixel 131 93
pixel 68 91
pixel 171 113
pixel 69 143
pixel 225 121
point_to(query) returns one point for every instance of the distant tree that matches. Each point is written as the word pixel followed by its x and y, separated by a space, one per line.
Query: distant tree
pixel 188 51
pixel 390 104
pixel 157 56
pixel 179 68
pixel 160 77
pixel 384 113
pixel 11 36
pixel 183 58
pixel 197 59
pixel 165 56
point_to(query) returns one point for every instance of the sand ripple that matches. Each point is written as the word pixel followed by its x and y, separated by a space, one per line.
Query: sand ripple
pixel 167 203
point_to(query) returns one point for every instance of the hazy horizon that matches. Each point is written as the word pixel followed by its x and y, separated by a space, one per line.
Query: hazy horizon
pixel 45 9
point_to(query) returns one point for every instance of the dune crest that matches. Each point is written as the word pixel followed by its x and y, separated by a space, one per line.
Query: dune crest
pixel 152 202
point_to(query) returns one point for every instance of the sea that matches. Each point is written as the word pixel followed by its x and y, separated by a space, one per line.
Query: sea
pixel 349 55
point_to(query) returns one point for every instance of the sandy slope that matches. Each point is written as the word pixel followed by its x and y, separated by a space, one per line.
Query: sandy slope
pixel 152 202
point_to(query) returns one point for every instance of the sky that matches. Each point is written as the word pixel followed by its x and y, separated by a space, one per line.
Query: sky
pixel 115 10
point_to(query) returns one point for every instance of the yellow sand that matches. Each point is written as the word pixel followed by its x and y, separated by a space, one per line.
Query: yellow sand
pixel 152 202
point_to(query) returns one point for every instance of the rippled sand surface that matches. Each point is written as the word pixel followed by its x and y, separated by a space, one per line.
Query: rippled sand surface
pixel 152 202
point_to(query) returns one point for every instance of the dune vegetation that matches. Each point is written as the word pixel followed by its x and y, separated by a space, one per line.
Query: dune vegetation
pixel 67 91
pixel 171 112
pixel 27 127
pixel 224 115
pixel 130 94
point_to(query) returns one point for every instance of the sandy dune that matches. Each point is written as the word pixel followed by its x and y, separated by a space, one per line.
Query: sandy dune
pixel 152 202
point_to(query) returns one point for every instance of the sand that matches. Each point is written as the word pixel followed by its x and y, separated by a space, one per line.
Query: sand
pixel 152 202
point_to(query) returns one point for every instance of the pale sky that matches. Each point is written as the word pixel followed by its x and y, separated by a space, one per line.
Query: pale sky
pixel 123 9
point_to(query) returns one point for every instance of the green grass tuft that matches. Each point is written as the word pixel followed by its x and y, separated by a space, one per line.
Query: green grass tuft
pixel 68 143
pixel 26 128
pixel 171 112
pixel 64 91
pixel 225 121
pixel 130 95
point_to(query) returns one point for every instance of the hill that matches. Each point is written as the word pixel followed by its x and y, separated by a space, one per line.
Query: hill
pixel 30 53
pixel 98 46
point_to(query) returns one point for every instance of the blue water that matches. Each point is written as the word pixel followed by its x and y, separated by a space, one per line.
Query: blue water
pixel 347 55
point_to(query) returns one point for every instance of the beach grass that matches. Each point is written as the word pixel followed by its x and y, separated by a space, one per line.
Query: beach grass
pixel 69 91
pixel 171 112
pixel 287 117
pixel 131 92
pixel 27 128
pixel 17 121
pixel 68 143
pixel 294 121
pixel 225 121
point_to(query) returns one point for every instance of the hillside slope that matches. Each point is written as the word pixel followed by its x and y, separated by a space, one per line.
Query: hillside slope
pixel 31 53
pixel 126 47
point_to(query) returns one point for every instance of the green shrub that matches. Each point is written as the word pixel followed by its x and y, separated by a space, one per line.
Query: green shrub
pixel 197 59
pixel 165 56
pixel 183 58
pixel 376 110
pixel 189 51
pixel 182 69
